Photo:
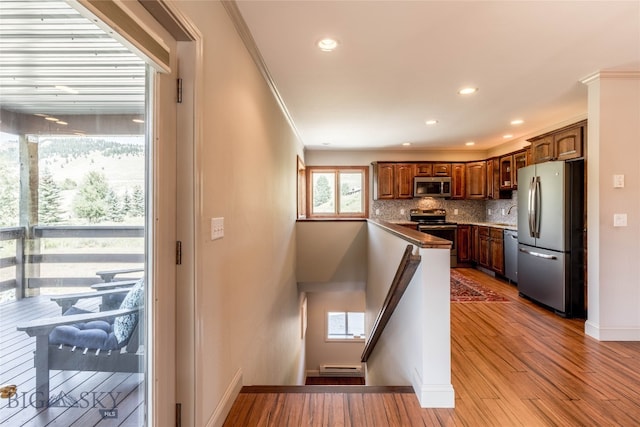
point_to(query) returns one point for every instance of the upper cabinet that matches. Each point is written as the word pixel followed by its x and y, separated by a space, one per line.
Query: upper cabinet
pixel 476 180
pixel 442 169
pixel 393 180
pixel 458 181
pixel 433 169
pixel 563 144
pixel 509 166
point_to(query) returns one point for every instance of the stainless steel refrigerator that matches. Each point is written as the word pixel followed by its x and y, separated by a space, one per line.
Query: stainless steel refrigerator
pixel 551 235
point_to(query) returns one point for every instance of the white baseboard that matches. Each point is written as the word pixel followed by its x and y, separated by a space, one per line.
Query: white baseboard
pixel 611 334
pixel 224 407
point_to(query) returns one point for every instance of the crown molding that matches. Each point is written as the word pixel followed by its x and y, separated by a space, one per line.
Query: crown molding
pixel 611 74
pixel 232 9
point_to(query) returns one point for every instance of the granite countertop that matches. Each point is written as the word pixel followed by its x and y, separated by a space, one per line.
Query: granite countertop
pixel 501 225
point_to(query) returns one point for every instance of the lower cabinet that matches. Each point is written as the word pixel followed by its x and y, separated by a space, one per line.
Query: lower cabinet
pixel 496 249
pixel 464 243
pixel 487 247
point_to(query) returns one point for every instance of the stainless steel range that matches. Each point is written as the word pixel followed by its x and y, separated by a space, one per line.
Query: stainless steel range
pixel 434 222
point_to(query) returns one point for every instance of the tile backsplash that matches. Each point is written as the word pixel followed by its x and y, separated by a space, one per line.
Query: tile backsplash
pixel 468 210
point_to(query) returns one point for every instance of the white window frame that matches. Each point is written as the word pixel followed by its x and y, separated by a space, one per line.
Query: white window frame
pixel 344 338
pixel 336 170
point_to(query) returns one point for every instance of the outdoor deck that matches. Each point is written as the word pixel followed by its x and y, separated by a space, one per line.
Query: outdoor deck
pixel 85 393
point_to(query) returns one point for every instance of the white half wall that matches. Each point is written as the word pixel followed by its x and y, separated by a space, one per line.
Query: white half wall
pixel 415 347
pixel 613 252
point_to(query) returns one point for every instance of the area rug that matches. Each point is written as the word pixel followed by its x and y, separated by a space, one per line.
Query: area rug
pixel 464 289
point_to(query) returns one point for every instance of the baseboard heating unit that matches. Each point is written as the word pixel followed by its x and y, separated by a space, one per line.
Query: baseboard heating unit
pixel 336 370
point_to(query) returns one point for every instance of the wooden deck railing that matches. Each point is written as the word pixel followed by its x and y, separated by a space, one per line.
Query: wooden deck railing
pixel 22 258
pixel 408 265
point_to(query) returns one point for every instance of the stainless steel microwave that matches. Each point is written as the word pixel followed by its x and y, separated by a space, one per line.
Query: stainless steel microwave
pixel 431 186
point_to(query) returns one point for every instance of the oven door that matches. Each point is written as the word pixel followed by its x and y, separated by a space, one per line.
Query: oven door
pixel 447 232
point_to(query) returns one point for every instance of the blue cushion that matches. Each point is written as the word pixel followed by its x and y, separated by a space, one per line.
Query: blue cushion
pixel 96 334
pixel 124 325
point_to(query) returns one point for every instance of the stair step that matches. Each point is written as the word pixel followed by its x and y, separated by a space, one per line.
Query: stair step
pixel 325 389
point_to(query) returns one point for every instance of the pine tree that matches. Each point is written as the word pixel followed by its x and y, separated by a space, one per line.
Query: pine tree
pixel 91 200
pixel 137 202
pixel 114 212
pixel 9 189
pixel 322 191
pixel 49 203
pixel 126 203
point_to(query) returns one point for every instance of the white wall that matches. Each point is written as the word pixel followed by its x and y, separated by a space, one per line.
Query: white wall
pixel 318 349
pixel 613 252
pixel 247 302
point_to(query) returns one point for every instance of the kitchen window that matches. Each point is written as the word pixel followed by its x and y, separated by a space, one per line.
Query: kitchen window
pixel 338 192
pixel 345 326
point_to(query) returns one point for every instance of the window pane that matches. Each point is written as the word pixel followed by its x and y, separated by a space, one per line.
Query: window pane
pixel 336 324
pixel 356 324
pixel 351 192
pixel 324 192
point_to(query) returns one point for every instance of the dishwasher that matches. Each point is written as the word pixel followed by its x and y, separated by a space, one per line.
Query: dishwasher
pixel 511 255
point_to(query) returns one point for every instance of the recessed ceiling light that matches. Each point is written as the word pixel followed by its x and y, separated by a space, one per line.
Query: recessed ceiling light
pixel 406 144
pixel 60 122
pixel 470 143
pixel 51 119
pixel 467 90
pixel 137 121
pixel 326 143
pixel 327 44
pixel 517 122
pixel 431 122
pixel 507 136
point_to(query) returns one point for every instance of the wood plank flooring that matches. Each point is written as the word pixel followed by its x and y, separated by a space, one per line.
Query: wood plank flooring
pixel 513 364
pixel 16 367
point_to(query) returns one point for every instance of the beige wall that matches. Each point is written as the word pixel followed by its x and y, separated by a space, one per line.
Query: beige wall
pixel 247 303
pixel 318 349
pixel 331 255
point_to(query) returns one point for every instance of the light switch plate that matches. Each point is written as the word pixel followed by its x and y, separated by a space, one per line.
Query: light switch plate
pixel 217 228
pixel 618 181
pixel 619 220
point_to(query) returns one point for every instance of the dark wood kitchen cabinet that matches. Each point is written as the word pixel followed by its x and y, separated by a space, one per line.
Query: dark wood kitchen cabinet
pixel 496 248
pixel 493 178
pixel 442 169
pixel 475 243
pixel 476 180
pixel 563 144
pixel 458 181
pixel 424 169
pixel 509 166
pixel 404 174
pixel 490 248
pixel 393 180
pixel 484 254
pixel 463 244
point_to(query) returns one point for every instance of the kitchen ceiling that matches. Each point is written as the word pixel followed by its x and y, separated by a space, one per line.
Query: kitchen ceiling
pixel 400 63
pixel 397 65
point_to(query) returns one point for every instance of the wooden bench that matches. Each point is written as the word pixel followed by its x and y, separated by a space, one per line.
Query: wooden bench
pixel 109 275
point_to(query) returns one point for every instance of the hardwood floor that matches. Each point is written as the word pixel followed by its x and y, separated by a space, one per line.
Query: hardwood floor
pixel 513 364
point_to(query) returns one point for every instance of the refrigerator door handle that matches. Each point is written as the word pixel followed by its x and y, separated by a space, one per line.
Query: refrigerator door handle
pixel 538 205
pixel 538 254
pixel 531 208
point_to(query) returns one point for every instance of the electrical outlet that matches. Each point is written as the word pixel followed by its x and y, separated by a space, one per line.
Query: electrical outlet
pixel 455 211
pixel 377 211
pixel 488 211
pixel 401 211
pixel 503 212
pixel 217 228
